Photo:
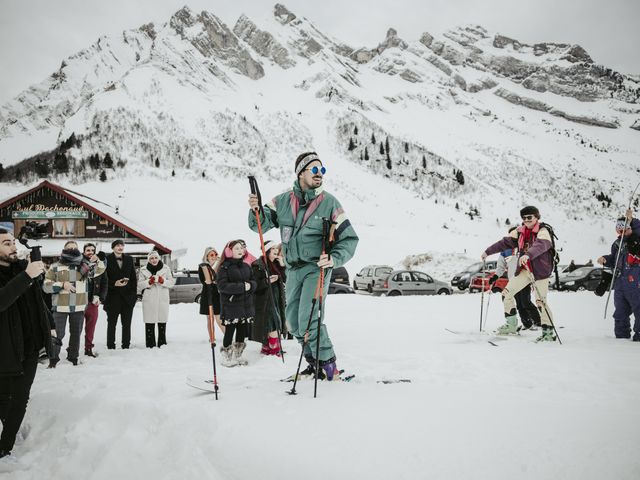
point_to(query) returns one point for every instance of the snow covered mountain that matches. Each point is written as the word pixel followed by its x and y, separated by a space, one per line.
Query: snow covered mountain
pixel 470 124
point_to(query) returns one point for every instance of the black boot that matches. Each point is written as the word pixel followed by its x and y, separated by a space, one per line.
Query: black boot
pixel 162 334
pixel 150 334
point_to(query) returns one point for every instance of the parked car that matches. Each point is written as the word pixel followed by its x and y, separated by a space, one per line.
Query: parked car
pixel 584 278
pixel 462 280
pixel 410 282
pixel 369 275
pixel 340 275
pixel 480 282
pixel 186 289
pixel 339 288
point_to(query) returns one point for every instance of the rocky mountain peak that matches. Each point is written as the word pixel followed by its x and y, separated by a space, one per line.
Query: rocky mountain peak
pixel 214 40
pixel 392 41
pixel 183 18
pixel 283 14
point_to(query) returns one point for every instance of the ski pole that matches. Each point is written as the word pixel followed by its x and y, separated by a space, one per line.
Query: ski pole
pixel 486 315
pixel 305 338
pixel 482 294
pixel 615 266
pixel 208 274
pixel 544 302
pixel 253 184
pixel 326 225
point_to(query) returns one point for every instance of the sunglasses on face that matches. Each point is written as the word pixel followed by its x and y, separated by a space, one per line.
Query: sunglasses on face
pixel 526 218
pixel 315 170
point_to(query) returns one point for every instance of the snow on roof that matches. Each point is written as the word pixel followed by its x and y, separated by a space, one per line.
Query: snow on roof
pixel 177 248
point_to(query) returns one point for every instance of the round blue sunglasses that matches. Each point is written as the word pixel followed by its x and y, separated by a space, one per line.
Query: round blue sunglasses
pixel 315 170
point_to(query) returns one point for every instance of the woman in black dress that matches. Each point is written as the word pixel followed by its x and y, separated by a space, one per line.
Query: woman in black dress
pixel 209 290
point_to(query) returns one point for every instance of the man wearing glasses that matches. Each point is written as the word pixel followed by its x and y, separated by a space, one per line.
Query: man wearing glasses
pixel 533 241
pixel 298 213
pixel 626 285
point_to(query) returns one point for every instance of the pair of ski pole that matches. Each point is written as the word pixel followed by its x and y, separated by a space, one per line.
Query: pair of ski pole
pixel 318 298
pixel 532 280
pixel 253 184
pixel 627 222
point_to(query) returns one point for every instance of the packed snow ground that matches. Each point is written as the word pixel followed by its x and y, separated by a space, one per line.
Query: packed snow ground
pixel 519 410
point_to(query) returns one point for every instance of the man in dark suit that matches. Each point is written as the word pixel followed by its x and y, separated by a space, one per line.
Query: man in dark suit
pixel 121 294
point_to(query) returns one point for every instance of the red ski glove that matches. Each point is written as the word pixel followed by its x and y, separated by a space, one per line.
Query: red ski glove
pixel 161 280
pixel 152 280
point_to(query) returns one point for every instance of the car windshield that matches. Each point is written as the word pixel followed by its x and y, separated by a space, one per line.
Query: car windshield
pixel 473 268
pixel 580 272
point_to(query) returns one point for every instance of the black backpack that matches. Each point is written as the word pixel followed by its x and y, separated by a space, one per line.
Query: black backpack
pixel 555 256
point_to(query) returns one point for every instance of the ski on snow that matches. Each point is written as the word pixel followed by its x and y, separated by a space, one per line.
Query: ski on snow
pixel 347 378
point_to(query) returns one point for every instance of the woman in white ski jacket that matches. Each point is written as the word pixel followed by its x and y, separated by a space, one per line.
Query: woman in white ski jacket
pixel 154 281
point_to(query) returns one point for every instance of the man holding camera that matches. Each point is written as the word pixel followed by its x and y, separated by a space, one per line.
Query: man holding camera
pixel 68 280
pixel 121 294
pixel 24 331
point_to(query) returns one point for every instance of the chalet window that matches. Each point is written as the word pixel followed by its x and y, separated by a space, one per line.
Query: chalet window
pixel 65 228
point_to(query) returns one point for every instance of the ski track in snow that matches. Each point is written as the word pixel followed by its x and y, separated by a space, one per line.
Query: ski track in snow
pixel 521 410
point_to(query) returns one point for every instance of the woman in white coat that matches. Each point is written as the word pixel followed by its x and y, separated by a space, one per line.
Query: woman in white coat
pixel 154 281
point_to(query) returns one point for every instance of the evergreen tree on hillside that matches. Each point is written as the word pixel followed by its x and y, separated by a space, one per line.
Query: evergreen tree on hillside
pixel 355 130
pixel 61 163
pixel 41 168
pixel 424 162
pixel 94 161
pixel 352 145
pixel 103 176
pixel 381 148
pixel 366 153
pixel 1 172
pixel 107 162
pixel 373 138
pixel 157 163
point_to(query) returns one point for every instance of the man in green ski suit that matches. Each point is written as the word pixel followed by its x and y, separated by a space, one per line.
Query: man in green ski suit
pixel 298 214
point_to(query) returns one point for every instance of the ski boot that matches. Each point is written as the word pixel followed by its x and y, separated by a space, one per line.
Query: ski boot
pixel 238 348
pixel 548 335
pixel 228 359
pixel 636 337
pixel 331 370
pixel 510 327
pixel 274 348
pixel 53 362
pixel 310 372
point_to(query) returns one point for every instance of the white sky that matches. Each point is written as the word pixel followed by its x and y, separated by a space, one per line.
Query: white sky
pixel 36 35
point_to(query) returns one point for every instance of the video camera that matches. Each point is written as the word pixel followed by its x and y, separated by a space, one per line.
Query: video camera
pixel 34 231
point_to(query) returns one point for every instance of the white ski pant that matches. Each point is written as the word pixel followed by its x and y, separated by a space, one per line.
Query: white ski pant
pixel 540 289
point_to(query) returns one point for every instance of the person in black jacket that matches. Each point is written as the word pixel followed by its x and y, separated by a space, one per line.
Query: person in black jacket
pixel 25 329
pixel 269 321
pixel 97 291
pixel 236 285
pixel 121 294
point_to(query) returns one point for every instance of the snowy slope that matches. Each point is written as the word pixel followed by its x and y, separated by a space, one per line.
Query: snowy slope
pixel 519 410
